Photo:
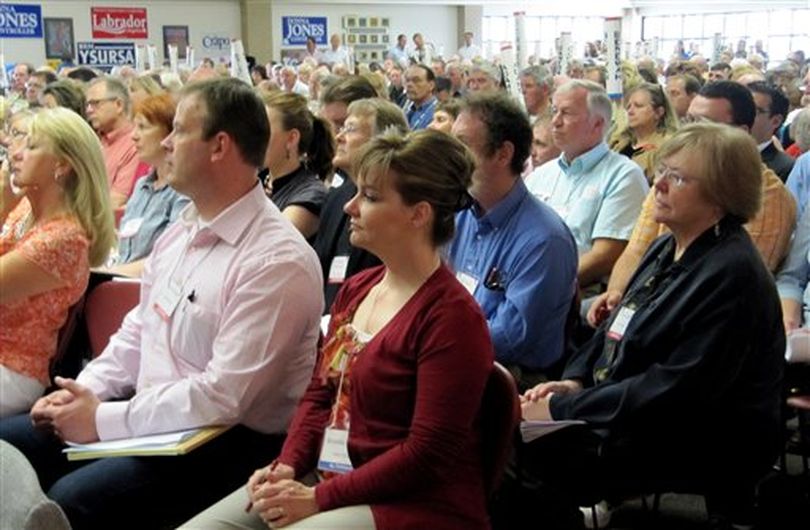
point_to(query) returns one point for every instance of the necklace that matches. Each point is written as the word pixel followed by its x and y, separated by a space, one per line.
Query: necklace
pixel 23 226
pixel 373 309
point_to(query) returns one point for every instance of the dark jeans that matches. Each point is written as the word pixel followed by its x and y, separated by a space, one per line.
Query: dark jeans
pixel 141 492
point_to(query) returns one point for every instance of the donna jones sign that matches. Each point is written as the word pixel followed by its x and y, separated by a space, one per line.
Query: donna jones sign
pixel 119 23
pixel 295 30
pixel 105 55
pixel 20 21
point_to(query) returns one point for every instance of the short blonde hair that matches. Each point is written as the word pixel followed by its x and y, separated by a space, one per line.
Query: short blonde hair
pixel 729 163
pixel 69 137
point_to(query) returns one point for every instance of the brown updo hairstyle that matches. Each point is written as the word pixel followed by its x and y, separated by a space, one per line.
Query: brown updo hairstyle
pixel 316 146
pixel 424 165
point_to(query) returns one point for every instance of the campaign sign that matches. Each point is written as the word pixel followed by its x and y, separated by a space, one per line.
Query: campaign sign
pixel 20 21
pixel 295 30
pixel 105 55
pixel 119 22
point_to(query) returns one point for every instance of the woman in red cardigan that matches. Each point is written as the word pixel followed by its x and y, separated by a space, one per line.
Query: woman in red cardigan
pixel 390 420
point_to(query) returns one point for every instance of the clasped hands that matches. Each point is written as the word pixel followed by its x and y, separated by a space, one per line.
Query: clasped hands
pixel 69 412
pixel 534 403
pixel 278 499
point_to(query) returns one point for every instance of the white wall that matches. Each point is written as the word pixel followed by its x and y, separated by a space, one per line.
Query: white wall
pixel 203 17
pixel 438 23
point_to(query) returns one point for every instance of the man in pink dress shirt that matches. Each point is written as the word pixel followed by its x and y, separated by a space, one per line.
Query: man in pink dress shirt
pixel 108 108
pixel 225 334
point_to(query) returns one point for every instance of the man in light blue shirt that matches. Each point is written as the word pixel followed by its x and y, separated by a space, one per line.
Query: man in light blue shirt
pixel 798 182
pixel 513 253
pixel 596 191
pixel 398 52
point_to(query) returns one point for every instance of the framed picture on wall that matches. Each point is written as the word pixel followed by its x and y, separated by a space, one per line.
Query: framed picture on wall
pixel 349 22
pixel 385 22
pixel 374 22
pixel 374 39
pixel 385 39
pixel 177 35
pixel 362 22
pixel 363 39
pixel 59 42
pixel 351 38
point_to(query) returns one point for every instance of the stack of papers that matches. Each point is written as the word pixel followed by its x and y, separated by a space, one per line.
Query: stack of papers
pixel 531 430
pixel 173 443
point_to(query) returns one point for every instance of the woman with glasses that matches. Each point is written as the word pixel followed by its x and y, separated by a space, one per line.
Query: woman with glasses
pixel 298 160
pixel 681 383
pixel 390 416
pixel 57 222
pixel 651 120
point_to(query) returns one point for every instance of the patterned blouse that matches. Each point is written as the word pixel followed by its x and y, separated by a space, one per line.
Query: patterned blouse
pixel 30 326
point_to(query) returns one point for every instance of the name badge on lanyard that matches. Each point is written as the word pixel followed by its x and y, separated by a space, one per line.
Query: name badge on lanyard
pixel 334 455
pixel 620 323
pixel 168 299
pixel 337 269
pixel 130 228
pixel 468 281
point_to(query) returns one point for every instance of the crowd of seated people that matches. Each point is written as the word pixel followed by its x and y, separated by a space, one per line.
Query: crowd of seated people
pixel 332 254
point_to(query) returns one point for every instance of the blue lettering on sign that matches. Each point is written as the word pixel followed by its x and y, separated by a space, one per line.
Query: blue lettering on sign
pixel 20 21
pixel 295 30
pixel 105 55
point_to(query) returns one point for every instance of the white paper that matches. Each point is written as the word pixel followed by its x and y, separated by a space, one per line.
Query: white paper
pixel 154 440
pixel 798 346
pixel 531 430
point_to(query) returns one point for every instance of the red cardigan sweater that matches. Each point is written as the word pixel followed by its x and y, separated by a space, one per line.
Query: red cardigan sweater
pixel 416 391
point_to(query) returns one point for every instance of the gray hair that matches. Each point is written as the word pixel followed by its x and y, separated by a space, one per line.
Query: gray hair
pixel 114 88
pixel 489 69
pixel 800 129
pixel 597 99
pixel 540 74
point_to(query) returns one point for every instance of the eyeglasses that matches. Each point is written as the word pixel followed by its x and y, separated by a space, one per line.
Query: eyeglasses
pixel 15 135
pixel 96 102
pixel 348 129
pixel 676 179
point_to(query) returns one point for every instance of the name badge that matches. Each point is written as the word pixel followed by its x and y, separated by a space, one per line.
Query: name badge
pixel 469 282
pixel 335 451
pixel 337 270
pixel 168 299
pixel 620 323
pixel 130 228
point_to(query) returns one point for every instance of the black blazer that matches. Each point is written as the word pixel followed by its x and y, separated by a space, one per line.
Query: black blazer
pixel 699 367
pixel 333 240
pixel 778 161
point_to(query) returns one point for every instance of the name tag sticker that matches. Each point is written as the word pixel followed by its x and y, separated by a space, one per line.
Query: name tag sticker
pixel 337 270
pixel 335 451
pixel 168 299
pixel 467 281
pixel 620 323
pixel 130 228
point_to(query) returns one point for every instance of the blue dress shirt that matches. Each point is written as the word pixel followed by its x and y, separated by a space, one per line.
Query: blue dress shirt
pixel 419 117
pixel 524 263
pixel 798 182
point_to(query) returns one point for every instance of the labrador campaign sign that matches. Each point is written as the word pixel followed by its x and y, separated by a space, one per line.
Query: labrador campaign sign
pixel 295 30
pixel 105 55
pixel 119 22
pixel 20 21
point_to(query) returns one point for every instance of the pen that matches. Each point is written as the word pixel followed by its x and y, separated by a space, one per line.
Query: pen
pixel 273 465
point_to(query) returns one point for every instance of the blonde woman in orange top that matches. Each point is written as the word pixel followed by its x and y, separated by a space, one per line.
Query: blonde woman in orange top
pixel 56 224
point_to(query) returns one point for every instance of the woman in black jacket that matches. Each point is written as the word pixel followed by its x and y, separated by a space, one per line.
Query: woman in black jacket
pixel 680 387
